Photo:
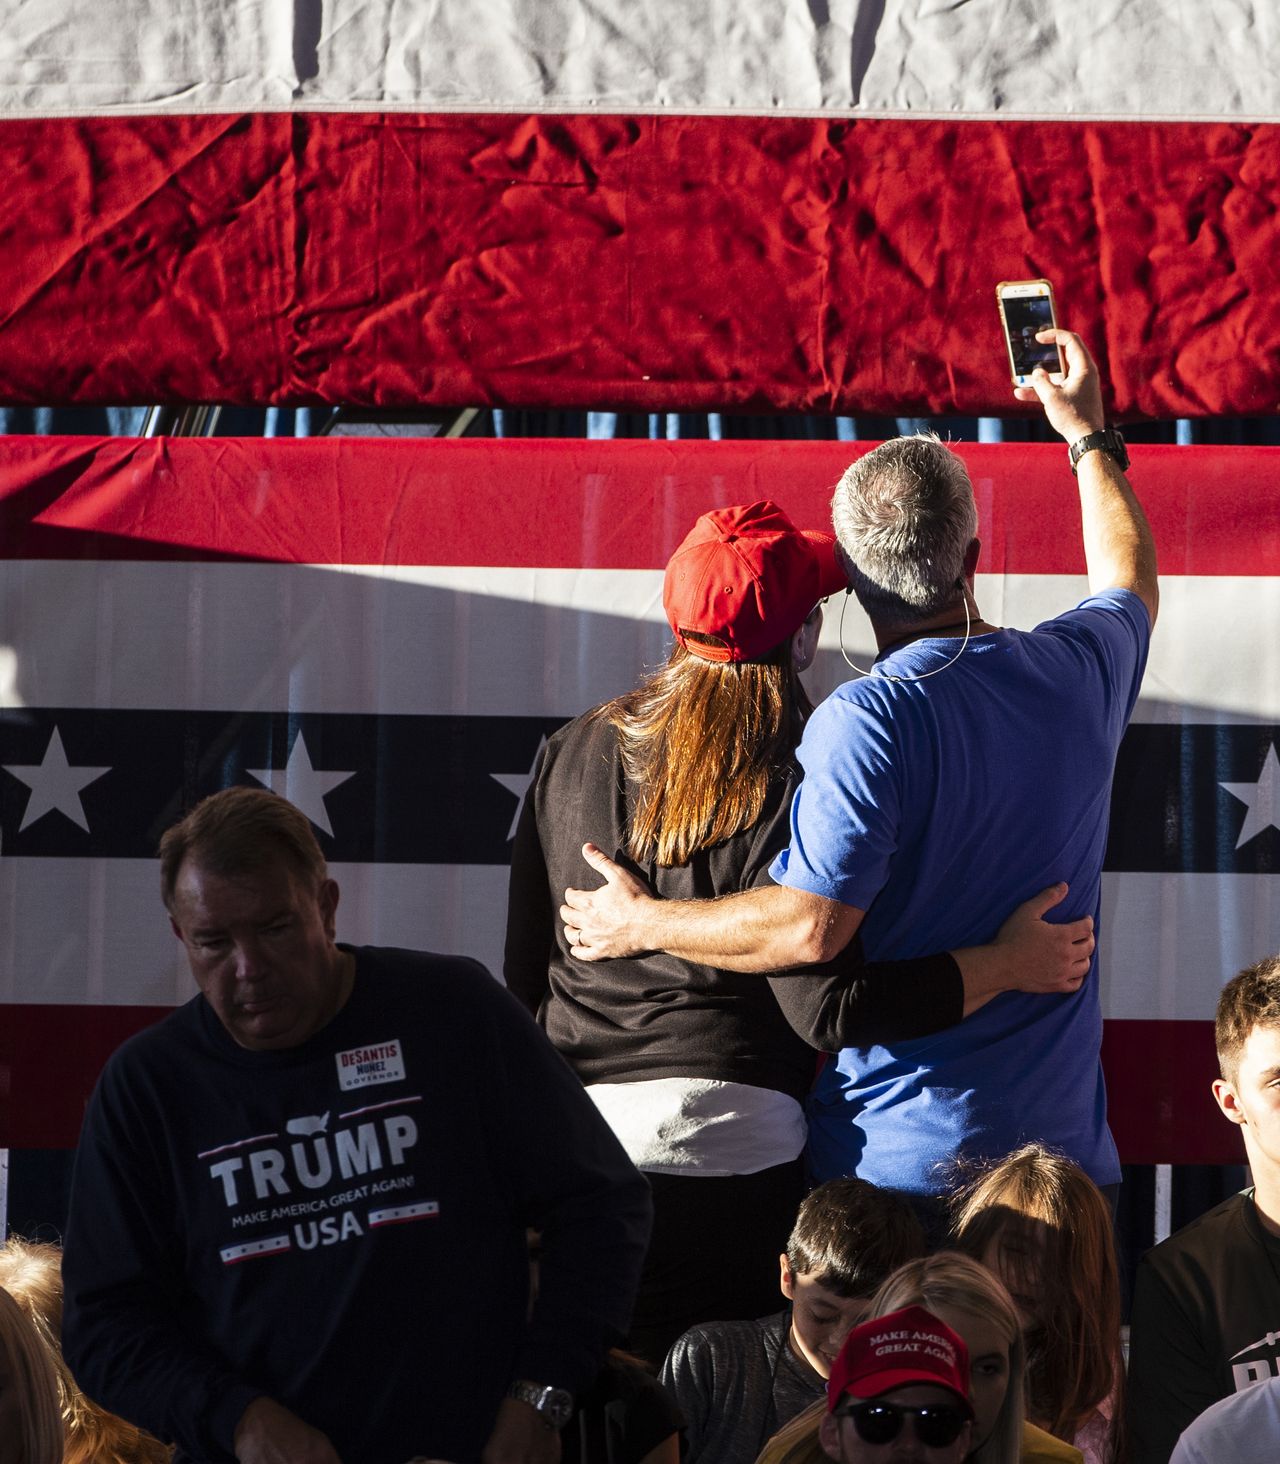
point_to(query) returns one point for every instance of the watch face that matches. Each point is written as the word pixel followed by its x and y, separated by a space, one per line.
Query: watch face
pixel 557 1406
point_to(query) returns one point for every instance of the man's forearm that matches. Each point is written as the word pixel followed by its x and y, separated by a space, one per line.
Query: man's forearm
pixel 765 929
pixel 1119 549
pixel 772 928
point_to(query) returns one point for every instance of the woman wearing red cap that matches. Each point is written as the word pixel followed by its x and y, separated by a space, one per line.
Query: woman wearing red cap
pixel 969 1300
pixel 702 1073
pixel 904 1373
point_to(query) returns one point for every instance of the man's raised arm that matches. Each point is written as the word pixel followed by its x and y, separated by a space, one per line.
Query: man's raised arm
pixel 1118 547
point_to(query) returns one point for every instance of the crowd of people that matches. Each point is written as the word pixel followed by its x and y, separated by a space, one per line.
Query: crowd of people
pixel 802 1008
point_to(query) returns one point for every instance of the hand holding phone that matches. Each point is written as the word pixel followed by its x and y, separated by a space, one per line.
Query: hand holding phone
pixel 1072 402
pixel 1026 307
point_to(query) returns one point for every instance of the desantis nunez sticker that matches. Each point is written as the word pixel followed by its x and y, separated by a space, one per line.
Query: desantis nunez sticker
pixel 362 1067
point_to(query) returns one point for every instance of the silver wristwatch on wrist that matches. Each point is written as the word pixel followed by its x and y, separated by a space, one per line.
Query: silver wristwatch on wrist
pixel 554 1406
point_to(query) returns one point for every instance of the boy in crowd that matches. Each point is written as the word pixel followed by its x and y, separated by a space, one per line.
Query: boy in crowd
pixel 1206 1306
pixel 737 1383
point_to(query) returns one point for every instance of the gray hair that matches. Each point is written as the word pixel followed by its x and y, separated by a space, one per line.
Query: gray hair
pixel 904 515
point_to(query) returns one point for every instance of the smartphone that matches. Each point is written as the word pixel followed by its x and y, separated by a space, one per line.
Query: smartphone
pixel 1026 306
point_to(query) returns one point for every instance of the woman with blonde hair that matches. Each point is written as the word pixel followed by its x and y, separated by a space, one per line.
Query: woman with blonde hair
pixel 30 1429
pixel 31 1273
pixel 975 1305
pixel 1042 1225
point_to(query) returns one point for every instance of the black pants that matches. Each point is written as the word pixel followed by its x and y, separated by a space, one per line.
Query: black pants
pixel 714 1252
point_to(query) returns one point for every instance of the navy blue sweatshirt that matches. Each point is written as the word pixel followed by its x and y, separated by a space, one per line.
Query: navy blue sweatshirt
pixel 341 1226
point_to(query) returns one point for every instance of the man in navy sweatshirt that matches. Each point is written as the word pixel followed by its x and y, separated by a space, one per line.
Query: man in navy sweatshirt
pixel 298 1217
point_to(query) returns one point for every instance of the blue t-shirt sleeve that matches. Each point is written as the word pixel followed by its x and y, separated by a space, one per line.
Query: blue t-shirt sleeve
pixel 1113 629
pixel 845 815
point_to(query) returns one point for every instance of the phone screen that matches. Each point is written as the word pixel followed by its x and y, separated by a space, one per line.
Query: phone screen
pixel 1024 315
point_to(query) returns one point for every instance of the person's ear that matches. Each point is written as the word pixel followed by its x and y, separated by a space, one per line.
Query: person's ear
pixel 971 554
pixel 173 925
pixel 829 1435
pixel 1226 1097
pixel 329 906
pixel 804 644
pixel 785 1278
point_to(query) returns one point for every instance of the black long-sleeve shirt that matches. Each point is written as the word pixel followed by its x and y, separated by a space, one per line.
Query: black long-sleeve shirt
pixel 654 1015
pixel 341 1225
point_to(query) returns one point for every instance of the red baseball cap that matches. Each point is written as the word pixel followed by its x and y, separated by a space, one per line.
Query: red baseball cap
pixel 907 1346
pixel 749 578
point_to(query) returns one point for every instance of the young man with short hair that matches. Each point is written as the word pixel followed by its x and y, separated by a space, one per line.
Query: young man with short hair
pixel 1206 1310
pixel 737 1383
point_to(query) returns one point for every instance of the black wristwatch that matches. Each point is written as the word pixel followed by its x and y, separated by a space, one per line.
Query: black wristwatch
pixel 1108 440
pixel 554 1406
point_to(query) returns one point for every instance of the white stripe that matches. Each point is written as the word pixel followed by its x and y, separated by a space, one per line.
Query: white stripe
pixel 52 952
pixel 251 637
pixel 1010 58
pixel 269 1246
pixel 429 639
pixel 427 1210
pixel 1169 941
pixel 1164 1202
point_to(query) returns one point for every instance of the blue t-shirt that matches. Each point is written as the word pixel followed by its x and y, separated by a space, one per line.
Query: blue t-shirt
pixel 937 805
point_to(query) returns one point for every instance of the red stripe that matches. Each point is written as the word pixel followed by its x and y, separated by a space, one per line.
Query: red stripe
pixel 670 262
pixel 50 1058
pixel 1158 1097
pixel 593 505
pixel 1158 1076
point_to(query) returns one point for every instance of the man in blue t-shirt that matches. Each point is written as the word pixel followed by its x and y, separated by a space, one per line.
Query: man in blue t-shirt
pixel 971 768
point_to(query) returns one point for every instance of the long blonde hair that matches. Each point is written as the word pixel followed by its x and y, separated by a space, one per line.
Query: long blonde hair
pixel 1050 1221
pixel 946 1279
pixel 700 742
pixel 797 1441
pixel 31 1273
pixel 949 1279
pixel 31 1375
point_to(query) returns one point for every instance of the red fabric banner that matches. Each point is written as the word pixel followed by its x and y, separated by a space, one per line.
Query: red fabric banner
pixel 634 262
pixel 574 504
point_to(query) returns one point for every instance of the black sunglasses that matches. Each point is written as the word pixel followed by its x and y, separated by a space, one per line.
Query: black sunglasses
pixel 936 1424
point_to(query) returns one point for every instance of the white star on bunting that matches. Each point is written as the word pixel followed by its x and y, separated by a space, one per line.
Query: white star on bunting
pixel 303 785
pixel 1263 798
pixel 55 785
pixel 517 784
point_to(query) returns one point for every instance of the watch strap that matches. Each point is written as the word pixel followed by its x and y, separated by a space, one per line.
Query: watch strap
pixel 554 1406
pixel 1107 440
